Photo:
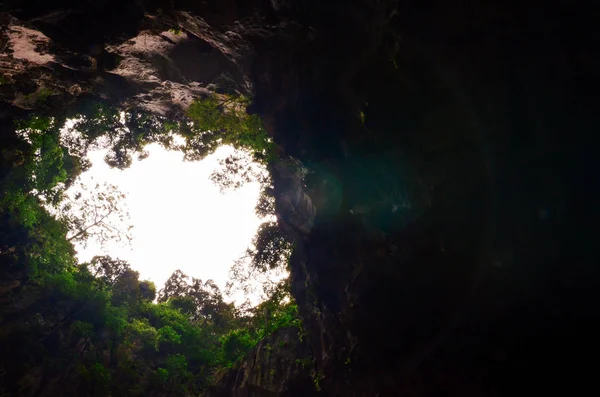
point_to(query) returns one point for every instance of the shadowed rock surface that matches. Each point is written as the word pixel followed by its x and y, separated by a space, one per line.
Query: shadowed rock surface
pixel 446 145
pixel 278 366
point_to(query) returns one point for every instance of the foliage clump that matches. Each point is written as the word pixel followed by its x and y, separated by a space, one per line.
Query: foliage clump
pixel 216 121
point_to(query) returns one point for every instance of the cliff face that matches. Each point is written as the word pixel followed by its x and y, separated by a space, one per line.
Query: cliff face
pixel 278 366
pixel 445 187
pixel 445 145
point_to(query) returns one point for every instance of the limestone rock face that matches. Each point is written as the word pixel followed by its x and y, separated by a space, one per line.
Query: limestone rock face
pixel 278 366
pixel 295 210
pixel 149 56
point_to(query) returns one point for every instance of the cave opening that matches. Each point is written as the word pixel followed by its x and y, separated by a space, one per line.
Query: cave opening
pixel 420 170
pixel 179 218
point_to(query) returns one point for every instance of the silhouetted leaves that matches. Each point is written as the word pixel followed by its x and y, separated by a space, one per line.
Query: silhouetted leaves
pixel 96 212
pixel 107 270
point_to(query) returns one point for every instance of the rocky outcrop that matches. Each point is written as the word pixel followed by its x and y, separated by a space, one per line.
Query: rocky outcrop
pixel 446 249
pixel 280 365
pixel 151 56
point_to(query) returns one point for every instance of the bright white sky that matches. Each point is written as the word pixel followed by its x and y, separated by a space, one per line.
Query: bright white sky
pixel 180 218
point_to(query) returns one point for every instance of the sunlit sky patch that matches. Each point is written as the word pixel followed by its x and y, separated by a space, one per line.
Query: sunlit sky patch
pixel 181 220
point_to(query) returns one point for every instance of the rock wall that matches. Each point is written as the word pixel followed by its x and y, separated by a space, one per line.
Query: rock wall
pixel 156 56
pixel 442 257
pixel 280 365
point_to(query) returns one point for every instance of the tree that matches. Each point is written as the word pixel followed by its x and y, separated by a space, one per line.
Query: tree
pixel 126 289
pixel 263 264
pixel 222 120
pixel 271 248
pixel 108 270
pixel 211 306
pixel 36 172
pixel 116 275
pixel 202 301
pixel 209 123
pixel 238 169
pixel 148 290
pixel 98 213
pixel 278 311
pixel 265 207
pixel 176 286
pixel 124 132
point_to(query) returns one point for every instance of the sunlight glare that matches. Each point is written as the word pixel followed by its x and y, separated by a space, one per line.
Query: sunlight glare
pixel 181 220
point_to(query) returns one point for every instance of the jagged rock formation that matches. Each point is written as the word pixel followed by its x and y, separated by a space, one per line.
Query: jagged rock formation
pixel 444 144
pixel 153 58
pixel 278 366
